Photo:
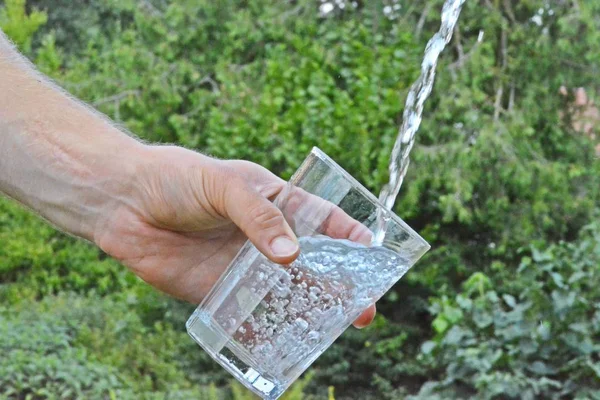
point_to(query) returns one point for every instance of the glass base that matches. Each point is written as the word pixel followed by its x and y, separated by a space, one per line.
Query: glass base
pixel 206 332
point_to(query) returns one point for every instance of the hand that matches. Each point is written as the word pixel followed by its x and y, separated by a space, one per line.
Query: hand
pixel 175 217
pixel 185 216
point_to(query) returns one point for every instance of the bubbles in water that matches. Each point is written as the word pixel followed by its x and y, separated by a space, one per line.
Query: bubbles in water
pixel 289 320
pixel 314 297
pixel 313 337
pixel 281 291
pixel 302 324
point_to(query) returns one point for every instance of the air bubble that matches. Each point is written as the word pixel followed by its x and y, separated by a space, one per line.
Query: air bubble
pixel 313 298
pixel 302 324
pixel 313 337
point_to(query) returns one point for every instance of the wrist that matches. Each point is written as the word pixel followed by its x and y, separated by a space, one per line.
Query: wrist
pixel 69 176
pixel 108 183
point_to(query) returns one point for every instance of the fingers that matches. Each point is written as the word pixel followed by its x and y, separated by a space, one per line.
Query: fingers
pixel 309 213
pixel 260 178
pixel 260 220
pixel 266 226
pixel 314 213
pixel 365 318
pixel 340 225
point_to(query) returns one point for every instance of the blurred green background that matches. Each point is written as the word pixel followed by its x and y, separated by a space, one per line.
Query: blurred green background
pixel 504 183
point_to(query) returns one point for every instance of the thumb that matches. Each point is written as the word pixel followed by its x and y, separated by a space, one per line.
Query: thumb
pixel 260 220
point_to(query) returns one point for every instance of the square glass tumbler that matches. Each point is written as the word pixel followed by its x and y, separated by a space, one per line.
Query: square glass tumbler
pixel 266 323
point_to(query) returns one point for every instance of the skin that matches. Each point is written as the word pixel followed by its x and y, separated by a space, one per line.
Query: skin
pixel 175 217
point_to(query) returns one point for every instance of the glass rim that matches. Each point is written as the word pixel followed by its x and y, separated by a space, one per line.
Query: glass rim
pixel 367 194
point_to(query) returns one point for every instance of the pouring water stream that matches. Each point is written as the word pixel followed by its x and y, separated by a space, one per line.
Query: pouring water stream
pixel 413 110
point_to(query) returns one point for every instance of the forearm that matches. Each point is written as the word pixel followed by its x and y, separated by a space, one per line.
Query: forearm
pixel 57 156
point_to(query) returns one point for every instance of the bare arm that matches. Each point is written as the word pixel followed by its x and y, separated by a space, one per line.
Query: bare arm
pixel 175 217
pixel 57 156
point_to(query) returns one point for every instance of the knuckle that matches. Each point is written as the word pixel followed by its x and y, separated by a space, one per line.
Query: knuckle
pixel 265 216
pixel 219 179
pixel 218 186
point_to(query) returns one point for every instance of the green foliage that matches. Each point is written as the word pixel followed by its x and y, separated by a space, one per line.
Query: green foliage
pixel 295 392
pixel 535 337
pixel 75 23
pixel 19 26
pixel 505 304
pixel 36 260
pixel 49 58
pixel 266 83
pixel 70 347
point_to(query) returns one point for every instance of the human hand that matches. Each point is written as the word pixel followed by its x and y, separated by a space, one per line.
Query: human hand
pixel 175 217
pixel 184 217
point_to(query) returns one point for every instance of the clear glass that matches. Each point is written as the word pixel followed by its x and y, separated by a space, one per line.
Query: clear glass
pixel 266 323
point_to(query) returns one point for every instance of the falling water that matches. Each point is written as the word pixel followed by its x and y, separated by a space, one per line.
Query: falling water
pixel 413 109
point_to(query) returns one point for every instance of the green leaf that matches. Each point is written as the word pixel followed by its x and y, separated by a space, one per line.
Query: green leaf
pixel 440 325
pixel 541 368
pixel 427 347
pixel 509 300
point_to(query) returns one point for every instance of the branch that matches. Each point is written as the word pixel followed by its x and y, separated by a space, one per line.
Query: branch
pixel 458 44
pixel 573 64
pixel 168 72
pixel 155 12
pixel 489 5
pixel 92 81
pixel 213 84
pixel 509 11
pixel 498 103
pixel 503 63
pixel 117 97
pixel 504 48
pixel 511 97
pixel 285 15
pixel 465 57
pixel 434 150
pixel 423 19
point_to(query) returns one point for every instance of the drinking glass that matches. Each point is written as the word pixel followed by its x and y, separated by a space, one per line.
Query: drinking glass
pixel 267 323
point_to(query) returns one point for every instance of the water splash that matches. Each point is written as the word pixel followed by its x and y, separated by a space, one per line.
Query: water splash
pixel 271 322
pixel 413 110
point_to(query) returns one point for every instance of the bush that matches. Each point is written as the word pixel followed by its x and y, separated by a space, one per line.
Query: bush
pixel 266 83
pixel 68 346
pixel 73 347
pixel 526 338
pixel 36 260
pixel 501 186
pixel 19 26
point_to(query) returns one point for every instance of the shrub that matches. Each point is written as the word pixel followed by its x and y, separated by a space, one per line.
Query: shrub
pixel 36 260
pixel 531 337
pixel 68 346
pixel 500 185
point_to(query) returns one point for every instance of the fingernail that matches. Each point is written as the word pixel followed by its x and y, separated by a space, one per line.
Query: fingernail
pixel 283 246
